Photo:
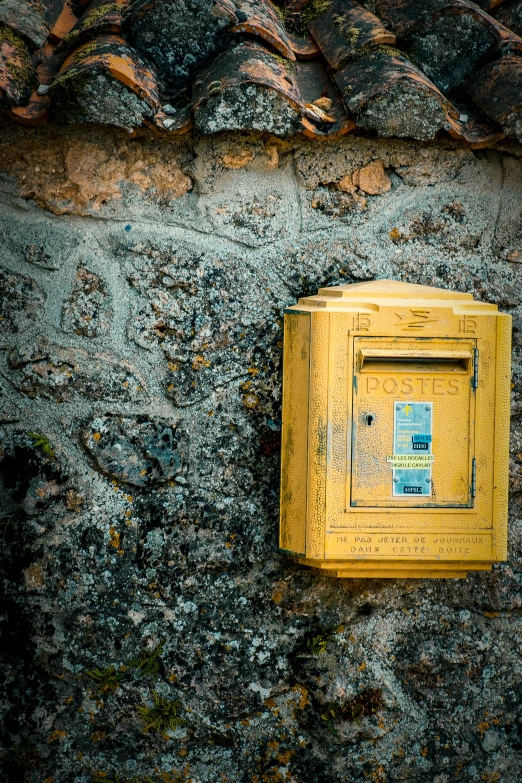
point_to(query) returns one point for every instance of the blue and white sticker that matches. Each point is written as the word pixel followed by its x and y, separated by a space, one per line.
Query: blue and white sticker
pixel 412 459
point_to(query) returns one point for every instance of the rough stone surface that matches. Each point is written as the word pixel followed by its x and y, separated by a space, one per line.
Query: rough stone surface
pixel 21 300
pixel 136 451
pixel 179 37
pixel 248 107
pixel 126 591
pixel 99 98
pixel 87 312
pixel 55 372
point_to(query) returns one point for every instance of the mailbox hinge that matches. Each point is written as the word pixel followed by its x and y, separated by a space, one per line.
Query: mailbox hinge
pixel 474 381
pixel 473 477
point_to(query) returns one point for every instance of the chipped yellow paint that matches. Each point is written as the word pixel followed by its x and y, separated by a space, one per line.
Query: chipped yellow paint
pixel 354 356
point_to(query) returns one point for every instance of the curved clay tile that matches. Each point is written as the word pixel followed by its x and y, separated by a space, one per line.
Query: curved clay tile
pixel 386 93
pixel 32 19
pixel 79 6
pixel 314 85
pixel 262 19
pixel 473 131
pixel 34 111
pixel 345 29
pixel 247 88
pixel 510 15
pixel 448 39
pixel 17 74
pixel 497 90
pixel 100 18
pixel 303 48
pixel 106 56
pixel 170 119
pixel 489 5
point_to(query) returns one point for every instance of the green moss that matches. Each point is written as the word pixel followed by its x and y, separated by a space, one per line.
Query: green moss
pixel 318 644
pixel 73 38
pixel 108 680
pixel 384 48
pixel 41 443
pixel 69 41
pixel 351 34
pixel 87 50
pixel 366 703
pixel 297 24
pixel 67 91
pixel 163 716
pixel 22 71
pixel 149 662
pixel 23 756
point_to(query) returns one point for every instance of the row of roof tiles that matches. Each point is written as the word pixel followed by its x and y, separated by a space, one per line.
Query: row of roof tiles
pixel 408 68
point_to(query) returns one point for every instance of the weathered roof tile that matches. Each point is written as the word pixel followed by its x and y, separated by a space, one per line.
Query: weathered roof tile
pixel 497 89
pixel 345 29
pixel 17 73
pixel 386 93
pixel 101 17
pixel 180 38
pixel 304 48
pixel 447 38
pixel 247 88
pixel 510 15
pixel 262 19
pixel 314 83
pixel 473 129
pixel 103 64
pixel 32 19
pixel 34 111
pixel 455 46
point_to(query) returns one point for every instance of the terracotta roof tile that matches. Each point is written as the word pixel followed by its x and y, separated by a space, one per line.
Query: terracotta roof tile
pixel 261 19
pixel 108 56
pixel 472 129
pixel 32 19
pixel 79 6
pixel 235 93
pixel 100 17
pixel 497 89
pixel 457 49
pixel 510 15
pixel 63 25
pixel 386 93
pixel 345 29
pixel 314 83
pixel 17 72
pixel 304 48
pixel 489 5
pixel 448 39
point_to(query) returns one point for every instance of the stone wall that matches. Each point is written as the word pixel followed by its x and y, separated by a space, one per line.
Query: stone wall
pixel 151 629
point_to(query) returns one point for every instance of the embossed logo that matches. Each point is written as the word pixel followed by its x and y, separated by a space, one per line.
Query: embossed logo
pixel 467 325
pixel 417 319
pixel 361 323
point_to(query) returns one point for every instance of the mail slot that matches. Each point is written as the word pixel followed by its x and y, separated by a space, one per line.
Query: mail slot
pixel 395 432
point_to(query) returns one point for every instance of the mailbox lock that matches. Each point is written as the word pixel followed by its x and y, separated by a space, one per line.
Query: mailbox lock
pixel 369 419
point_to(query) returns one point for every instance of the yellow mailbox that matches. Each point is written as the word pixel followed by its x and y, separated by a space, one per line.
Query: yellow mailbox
pixel 395 431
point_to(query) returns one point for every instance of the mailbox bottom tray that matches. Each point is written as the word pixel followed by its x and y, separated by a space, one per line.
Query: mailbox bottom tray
pixel 394 569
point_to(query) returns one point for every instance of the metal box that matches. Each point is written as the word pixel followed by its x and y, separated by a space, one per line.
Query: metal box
pixel 395 431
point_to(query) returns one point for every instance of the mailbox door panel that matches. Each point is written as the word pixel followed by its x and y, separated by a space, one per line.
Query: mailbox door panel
pixel 413 422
